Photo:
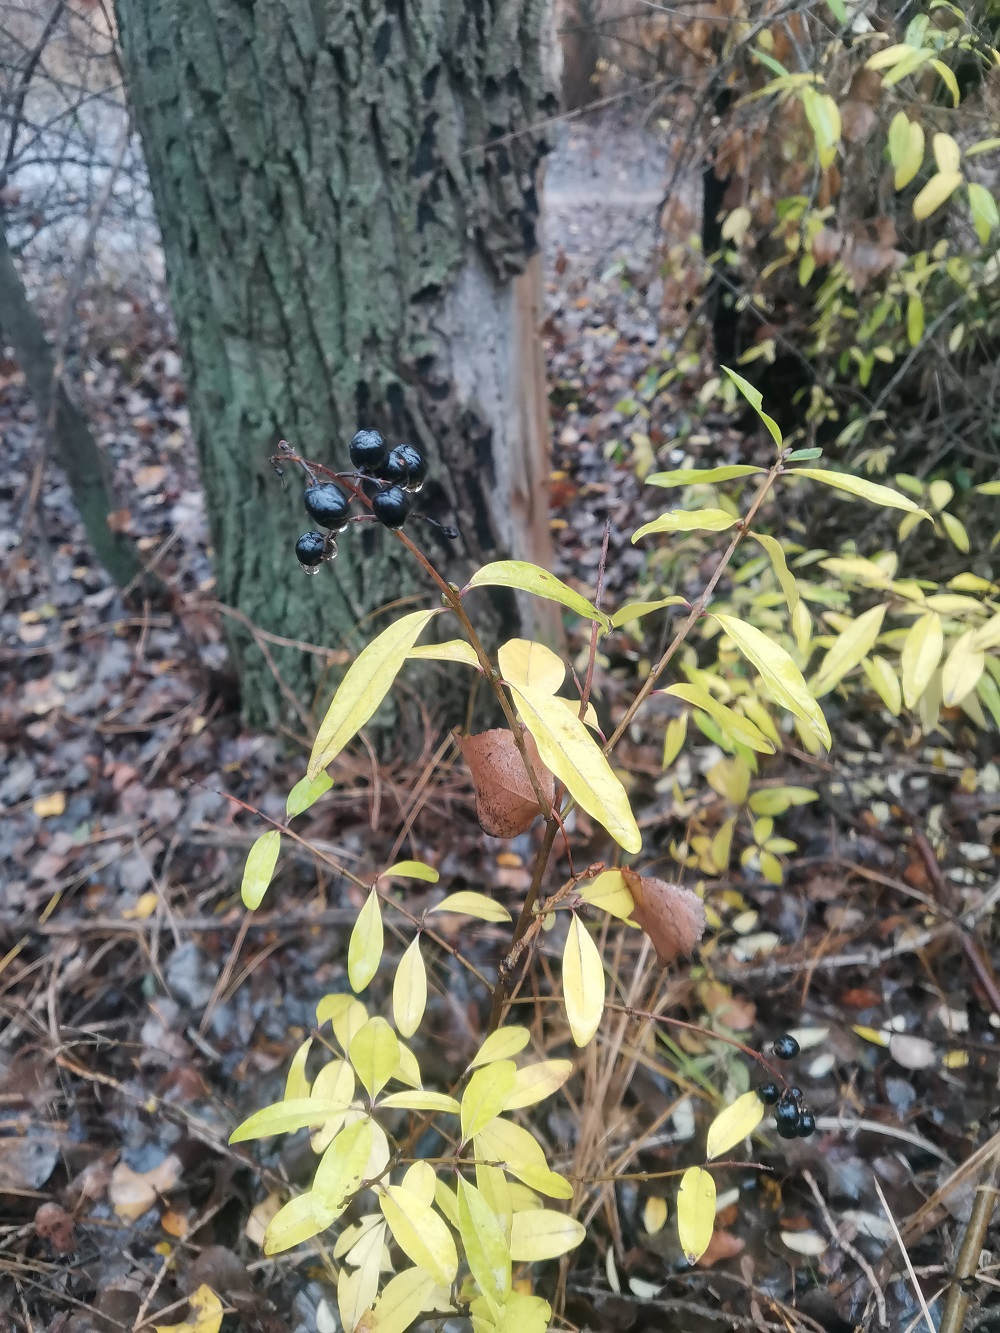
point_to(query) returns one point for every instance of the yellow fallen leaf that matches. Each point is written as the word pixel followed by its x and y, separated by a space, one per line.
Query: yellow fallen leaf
pixel 52 804
pixel 144 908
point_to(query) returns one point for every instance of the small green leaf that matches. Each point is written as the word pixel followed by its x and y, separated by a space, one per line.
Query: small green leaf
pixel 633 611
pixel 297 1222
pixel 409 990
pixel 364 950
pixel 583 983
pixel 802 455
pixel 687 520
pixel 261 860
pixel 467 903
pixel 342 1167
pixel 296 1084
pixel 368 680
pixel 486 1248
pixel 285 1118
pixel 454 650
pixel 526 577
pixel 736 727
pixel 733 1124
pixel 776 555
pixel 756 400
pixel 781 675
pixel 305 793
pixel 884 682
pixel 695 1212
pixel 486 1095
pixel 694 476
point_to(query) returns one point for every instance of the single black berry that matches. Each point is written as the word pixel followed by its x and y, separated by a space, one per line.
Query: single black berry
pixel 797 1094
pixel 327 505
pixel 414 462
pixel 394 469
pixel 391 507
pixel 368 450
pixel 786 1047
pixel 769 1093
pixel 807 1124
pixel 310 549
pixel 787 1117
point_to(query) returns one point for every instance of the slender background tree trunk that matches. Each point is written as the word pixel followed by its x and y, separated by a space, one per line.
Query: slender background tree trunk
pixel 347 195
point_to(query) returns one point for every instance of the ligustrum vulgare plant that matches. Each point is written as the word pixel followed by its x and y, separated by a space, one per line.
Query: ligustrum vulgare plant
pixel 457 1233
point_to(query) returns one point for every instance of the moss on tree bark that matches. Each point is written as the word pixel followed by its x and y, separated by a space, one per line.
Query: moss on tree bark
pixel 347 195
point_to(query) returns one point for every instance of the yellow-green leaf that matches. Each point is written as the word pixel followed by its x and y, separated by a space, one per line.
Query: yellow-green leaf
pixel 948 79
pixel 962 669
pixel 956 532
pixel 419 1100
pixel 756 400
pixel 357 1289
pixel 695 1212
pixel 937 191
pixel 486 1095
pixel 906 148
pixel 889 56
pixel 285 1118
pixel 452 650
pixel 780 566
pixel 568 750
pixel 374 1054
pixel 345 1015
pixel 654 1214
pixel 205 1314
pixel 334 1084
pixel 608 892
pixel 543 1234
pixel 368 680
pixel 535 1082
pixel 411 870
pixel 983 207
pixel 694 476
pixel 848 650
pixel 687 520
pixel 364 950
pixel 988 634
pixel 780 674
pixel 737 727
pixel 531 578
pixel 858 486
pixel 914 319
pixel 674 738
pixel 486 1249
pixel 583 982
pixel 404 1299
pixel 305 793
pixel 409 990
pixel 342 1167
pixel 884 682
pixel 296 1084
pixel 467 903
pixel 261 860
pixel 947 153
pixel 501 1045
pixel 298 1221
pixel 421 1234
pixel 776 800
pixel 733 1124
pixel 521 1154
pixel 921 654
pixel 633 611
pixel 523 662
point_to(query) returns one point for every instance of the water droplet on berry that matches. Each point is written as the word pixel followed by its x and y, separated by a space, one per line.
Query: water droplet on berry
pixel 311 570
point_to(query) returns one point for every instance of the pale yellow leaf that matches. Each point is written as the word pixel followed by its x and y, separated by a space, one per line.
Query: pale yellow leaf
pixel 569 751
pixel 583 982
pixel 411 870
pixel 501 1045
pixel 404 1299
pixel 296 1083
pixel 368 680
pixel 521 1154
pixel 205 1314
pixel 486 1249
pixel 421 1234
pixel 467 903
pixel 937 191
pixel 409 990
pixel 921 654
pixel 342 1167
pixel 733 1124
pixel 687 520
pixel 608 892
pixel 947 153
pixel 776 555
pixel 305 792
pixel 543 1234
pixel 285 1118
pixel 633 611
pixel 523 662
pixel 860 487
pixel 695 1212
pixel 848 650
pixel 296 1222
pixel 374 1053
pixel 654 1214
pixel 734 725
pixel 364 950
pixel 419 1100
pixel 884 682
pixel 692 476
pixel 533 579
pixel 453 650
pixel 535 1082
pixel 962 669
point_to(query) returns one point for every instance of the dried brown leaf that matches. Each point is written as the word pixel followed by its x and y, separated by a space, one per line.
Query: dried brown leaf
pixel 672 917
pixel 505 801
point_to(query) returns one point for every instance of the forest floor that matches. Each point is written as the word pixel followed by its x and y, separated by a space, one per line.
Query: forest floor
pixel 145 1014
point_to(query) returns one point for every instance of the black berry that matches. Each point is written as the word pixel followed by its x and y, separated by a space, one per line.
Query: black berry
pixel 391 507
pixel 769 1093
pixel 787 1117
pixel 786 1047
pixel 310 549
pixel 371 487
pixel 797 1094
pixel 807 1124
pixel 327 505
pixel 410 457
pixel 394 469
pixel 368 450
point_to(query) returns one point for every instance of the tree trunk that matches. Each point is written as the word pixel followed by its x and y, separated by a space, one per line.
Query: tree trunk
pixel 347 195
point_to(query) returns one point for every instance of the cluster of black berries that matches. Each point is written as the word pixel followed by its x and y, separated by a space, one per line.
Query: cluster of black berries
pixel 792 1120
pixel 389 477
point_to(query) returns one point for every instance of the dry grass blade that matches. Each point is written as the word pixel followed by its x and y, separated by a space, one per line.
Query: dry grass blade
pixel 906 1258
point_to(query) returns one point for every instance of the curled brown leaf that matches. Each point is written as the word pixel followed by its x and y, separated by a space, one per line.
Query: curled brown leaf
pixel 673 917
pixel 505 799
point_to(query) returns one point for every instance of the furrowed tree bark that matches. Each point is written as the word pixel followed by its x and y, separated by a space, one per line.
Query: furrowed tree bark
pixel 64 425
pixel 347 195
